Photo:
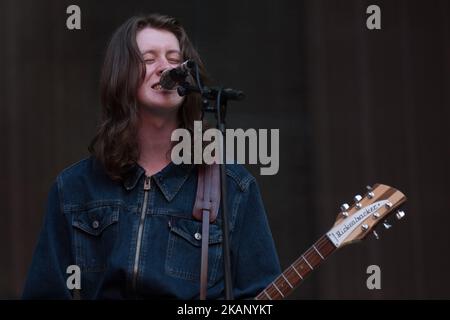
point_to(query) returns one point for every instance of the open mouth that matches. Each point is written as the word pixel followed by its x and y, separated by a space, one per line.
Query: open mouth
pixel 157 86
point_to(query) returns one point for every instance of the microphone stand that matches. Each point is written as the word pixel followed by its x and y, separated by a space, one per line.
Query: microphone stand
pixel 221 97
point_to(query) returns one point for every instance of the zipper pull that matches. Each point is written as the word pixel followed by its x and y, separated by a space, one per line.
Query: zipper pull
pixel 147 183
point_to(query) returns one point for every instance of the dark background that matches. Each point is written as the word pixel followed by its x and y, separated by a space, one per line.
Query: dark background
pixel 354 107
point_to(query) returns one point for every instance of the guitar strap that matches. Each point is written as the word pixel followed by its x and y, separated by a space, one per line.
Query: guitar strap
pixel 206 208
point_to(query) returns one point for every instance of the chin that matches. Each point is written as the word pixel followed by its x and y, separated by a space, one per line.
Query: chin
pixel 161 107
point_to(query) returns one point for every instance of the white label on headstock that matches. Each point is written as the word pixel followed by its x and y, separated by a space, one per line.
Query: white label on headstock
pixel 340 232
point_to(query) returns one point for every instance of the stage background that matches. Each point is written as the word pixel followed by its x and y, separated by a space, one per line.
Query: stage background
pixel 354 107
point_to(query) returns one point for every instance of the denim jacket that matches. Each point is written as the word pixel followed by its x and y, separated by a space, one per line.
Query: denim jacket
pixel 137 238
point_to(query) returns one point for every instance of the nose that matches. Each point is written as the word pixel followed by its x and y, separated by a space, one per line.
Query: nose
pixel 162 66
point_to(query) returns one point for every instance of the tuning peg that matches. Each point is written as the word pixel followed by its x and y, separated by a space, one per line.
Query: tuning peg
pixel 344 209
pixel 376 235
pixel 386 224
pixel 400 214
pixel 370 193
pixel 364 227
pixel 388 204
pixel 357 199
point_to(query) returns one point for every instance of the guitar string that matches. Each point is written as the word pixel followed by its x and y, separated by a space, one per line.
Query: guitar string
pixel 284 280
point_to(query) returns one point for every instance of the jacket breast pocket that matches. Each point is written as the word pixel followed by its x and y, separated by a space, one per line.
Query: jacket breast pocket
pixel 95 233
pixel 184 250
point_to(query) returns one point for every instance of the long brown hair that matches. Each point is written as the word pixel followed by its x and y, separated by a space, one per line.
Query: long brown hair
pixel 115 144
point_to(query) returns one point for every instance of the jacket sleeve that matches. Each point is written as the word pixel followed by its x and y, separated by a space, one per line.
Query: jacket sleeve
pixel 47 275
pixel 255 260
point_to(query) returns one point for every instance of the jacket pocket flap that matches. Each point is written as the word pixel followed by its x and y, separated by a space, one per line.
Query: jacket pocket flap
pixel 191 230
pixel 94 221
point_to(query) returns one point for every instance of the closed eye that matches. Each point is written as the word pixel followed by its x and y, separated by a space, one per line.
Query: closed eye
pixel 174 61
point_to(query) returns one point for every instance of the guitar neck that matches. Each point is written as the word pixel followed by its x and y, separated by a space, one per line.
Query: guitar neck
pixel 352 224
pixel 291 278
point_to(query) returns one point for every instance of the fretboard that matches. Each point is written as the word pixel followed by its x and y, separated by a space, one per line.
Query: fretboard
pixel 285 283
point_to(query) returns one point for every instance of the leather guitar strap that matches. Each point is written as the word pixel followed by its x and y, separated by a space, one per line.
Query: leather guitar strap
pixel 206 208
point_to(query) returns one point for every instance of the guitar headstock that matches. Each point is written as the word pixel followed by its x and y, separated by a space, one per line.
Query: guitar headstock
pixel 355 222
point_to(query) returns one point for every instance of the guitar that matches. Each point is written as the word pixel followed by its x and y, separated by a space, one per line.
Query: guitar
pixel 353 224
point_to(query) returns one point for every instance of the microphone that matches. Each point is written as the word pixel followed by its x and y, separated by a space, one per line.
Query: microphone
pixel 170 78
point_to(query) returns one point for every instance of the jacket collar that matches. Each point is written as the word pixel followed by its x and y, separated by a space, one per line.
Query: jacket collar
pixel 169 180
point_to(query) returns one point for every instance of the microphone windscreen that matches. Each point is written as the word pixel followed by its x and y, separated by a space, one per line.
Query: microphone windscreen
pixel 166 80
